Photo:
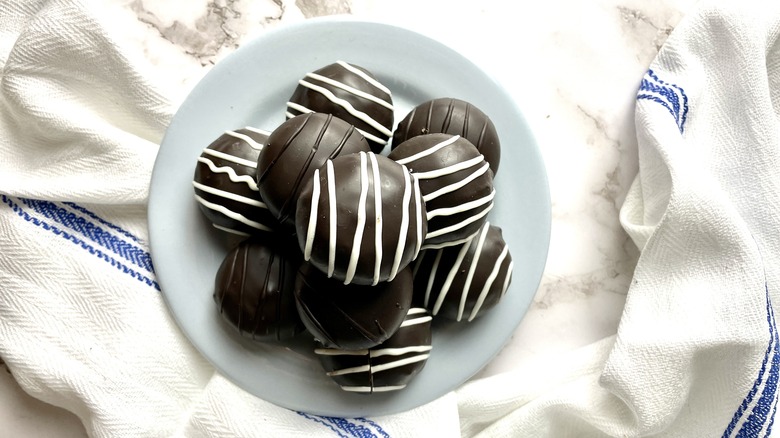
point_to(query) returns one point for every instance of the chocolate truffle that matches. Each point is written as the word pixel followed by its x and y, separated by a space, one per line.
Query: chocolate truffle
pixel 225 185
pixel 254 289
pixel 293 151
pixel 387 367
pixel 455 117
pixel 464 281
pixel 361 218
pixel 350 93
pixel 456 184
pixel 351 316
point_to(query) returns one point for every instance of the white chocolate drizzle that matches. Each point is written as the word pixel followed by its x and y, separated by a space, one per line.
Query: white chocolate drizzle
pixel 232 214
pixel 231 158
pixel 231 173
pixel 472 269
pixel 449 211
pixel 429 151
pixel 303 110
pixel 315 202
pixel 229 195
pixel 347 106
pixel 230 230
pixel 489 283
pixel 249 140
pixel 404 225
pixel 351 90
pixel 377 182
pixel 361 220
pixel 365 77
pixel 333 217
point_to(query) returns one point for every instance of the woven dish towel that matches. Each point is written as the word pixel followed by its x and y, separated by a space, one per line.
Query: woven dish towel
pixel 83 325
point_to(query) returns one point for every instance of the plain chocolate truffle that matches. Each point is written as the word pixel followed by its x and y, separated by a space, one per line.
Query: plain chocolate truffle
pixel 350 93
pixel 455 117
pixel 224 183
pixel 389 366
pixel 361 218
pixel 463 282
pixel 293 151
pixel 456 184
pixel 351 316
pixel 254 289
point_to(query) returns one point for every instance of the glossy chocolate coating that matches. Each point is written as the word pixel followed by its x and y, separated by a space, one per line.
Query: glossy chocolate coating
pixel 361 218
pixel 351 316
pixel 455 117
pixel 387 367
pixel 456 184
pixel 293 151
pixel 225 187
pixel 462 282
pixel 350 93
pixel 254 292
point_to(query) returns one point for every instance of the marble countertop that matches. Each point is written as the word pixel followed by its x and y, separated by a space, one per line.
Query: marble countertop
pixel 572 66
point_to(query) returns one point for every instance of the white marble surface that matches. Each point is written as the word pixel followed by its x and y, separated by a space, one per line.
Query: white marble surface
pixel 573 66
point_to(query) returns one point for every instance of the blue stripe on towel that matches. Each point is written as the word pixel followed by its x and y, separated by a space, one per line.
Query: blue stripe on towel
pixel 128 251
pixel 670 96
pixel 346 428
pixel 767 401
pixel 102 221
pixel 56 230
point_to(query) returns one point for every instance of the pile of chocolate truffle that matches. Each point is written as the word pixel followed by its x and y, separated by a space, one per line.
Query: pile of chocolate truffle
pixel 358 249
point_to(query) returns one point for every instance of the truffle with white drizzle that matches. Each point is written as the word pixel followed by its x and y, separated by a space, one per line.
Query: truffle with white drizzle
pixel 253 289
pixel 350 93
pixel 455 117
pixel 225 187
pixel 389 366
pixel 361 218
pixel 462 282
pixel 456 184
pixel 294 150
pixel 351 316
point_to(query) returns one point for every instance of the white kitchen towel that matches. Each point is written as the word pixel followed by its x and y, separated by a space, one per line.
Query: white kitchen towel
pixel 696 353
pixel 83 325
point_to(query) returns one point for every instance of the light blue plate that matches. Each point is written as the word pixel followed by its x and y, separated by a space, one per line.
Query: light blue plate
pixel 251 87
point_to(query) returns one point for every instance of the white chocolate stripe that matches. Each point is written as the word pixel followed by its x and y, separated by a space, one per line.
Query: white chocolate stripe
pixel 230 230
pixel 351 90
pixel 416 311
pixel 429 151
pixel 361 220
pixel 472 269
pixel 347 106
pixel 461 224
pixel 400 351
pixel 332 217
pixel 259 131
pixel 231 214
pixel 508 277
pixel 315 202
pixel 416 321
pixel 399 363
pixel 489 283
pixel 404 226
pixel 339 352
pixel 445 288
pixel 446 244
pixel 255 145
pixel 229 195
pixel 303 110
pixel 455 186
pixel 374 389
pixel 377 218
pixel 417 264
pixel 449 211
pixel 231 173
pixel 432 277
pixel 448 170
pixel 231 158
pixel 365 77
pixel 352 370
pixel 419 206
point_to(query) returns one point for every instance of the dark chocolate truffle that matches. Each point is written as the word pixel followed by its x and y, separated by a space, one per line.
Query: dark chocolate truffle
pixel 350 93
pixel 225 185
pixel 351 316
pixel 254 289
pixel 456 184
pixel 464 281
pixel 293 151
pixel 387 367
pixel 361 218
pixel 455 117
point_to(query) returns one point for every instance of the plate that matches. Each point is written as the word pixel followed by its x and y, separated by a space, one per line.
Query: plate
pixel 251 87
